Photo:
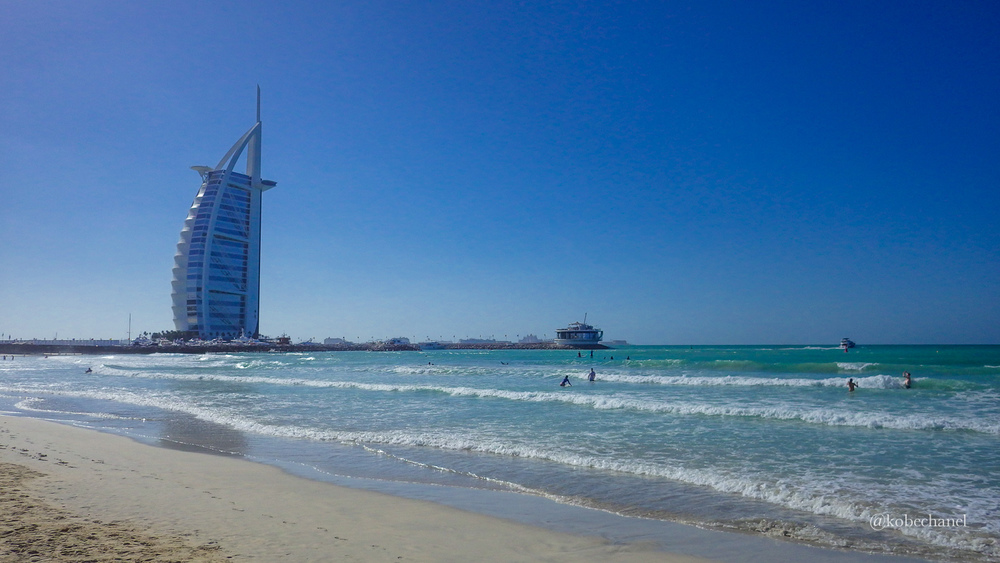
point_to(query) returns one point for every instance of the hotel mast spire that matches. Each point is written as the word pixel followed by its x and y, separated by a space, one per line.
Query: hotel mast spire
pixel 253 150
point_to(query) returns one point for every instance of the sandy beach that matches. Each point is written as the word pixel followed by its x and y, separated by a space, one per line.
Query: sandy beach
pixel 72 494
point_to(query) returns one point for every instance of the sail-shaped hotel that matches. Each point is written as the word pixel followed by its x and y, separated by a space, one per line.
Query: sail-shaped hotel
pixel 216 285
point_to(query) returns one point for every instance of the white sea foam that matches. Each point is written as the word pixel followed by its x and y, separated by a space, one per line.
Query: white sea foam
pixel 871 382
pixel 825 416
pixel 258 364
pixel 28 405
pixel 855 366
pixel 813 415
pixel 820 497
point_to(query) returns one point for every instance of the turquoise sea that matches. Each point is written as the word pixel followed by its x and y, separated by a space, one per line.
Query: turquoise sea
pixel 755 439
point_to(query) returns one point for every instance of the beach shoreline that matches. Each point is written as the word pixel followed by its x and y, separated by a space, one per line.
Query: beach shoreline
pixel 100 495
pixel 199 507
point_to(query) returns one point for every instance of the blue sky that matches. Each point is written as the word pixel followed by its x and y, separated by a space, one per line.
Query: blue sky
pixel 683 173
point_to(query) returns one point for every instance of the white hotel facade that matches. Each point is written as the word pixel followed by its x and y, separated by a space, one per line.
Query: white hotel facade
pixel 216 281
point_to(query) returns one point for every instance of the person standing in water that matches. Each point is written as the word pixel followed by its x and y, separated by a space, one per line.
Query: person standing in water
pixel 565 382
pixel 906 380
pixel 851 385
pixel 592 376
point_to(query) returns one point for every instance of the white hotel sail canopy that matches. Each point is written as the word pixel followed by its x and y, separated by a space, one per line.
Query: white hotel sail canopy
pixel 216 283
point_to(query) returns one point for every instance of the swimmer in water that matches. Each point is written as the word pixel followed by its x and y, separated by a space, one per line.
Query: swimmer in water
pixel 851 385
pixel 592 376
pixel 565 382
pixel 906 380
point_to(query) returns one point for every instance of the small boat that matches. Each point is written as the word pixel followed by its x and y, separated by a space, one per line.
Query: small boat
pixel 579 335
pixel 846 343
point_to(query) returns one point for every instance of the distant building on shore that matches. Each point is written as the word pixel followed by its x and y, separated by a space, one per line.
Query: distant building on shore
pixel 482 341
pixel 216 282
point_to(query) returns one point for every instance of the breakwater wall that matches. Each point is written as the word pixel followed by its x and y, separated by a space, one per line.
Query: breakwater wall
pixel 30 349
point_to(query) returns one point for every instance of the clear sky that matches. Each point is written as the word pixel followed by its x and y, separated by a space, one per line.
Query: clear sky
pixel 681 172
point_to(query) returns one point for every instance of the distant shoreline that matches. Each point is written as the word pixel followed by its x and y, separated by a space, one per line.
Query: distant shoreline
pixel 30 349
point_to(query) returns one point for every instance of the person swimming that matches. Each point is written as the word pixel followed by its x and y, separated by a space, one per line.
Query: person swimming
pixel 565 382
pixel 851 385
pixel 906 380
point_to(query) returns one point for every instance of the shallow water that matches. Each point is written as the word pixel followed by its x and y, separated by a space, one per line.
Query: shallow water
pixel 752 438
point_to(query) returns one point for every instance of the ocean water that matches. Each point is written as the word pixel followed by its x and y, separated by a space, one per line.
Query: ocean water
pixel 757 439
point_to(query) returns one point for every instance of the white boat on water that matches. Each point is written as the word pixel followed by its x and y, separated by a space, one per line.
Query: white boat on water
pixel 846 343
pixel 579 334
